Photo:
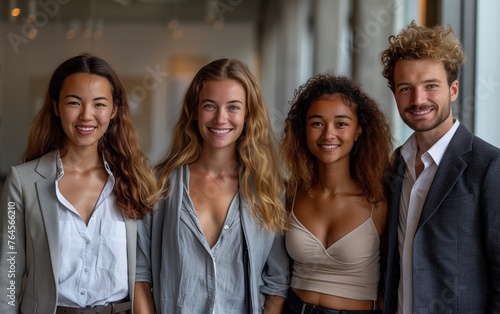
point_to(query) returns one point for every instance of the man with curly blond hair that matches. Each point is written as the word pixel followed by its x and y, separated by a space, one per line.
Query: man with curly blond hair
pixel 444 212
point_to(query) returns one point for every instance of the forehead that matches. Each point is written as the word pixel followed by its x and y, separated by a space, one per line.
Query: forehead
pixel 330 105
pixel 411 71
pixel 86 82
pixel 222 87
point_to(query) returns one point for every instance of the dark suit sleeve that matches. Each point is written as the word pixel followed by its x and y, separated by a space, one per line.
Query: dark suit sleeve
pixel 490 205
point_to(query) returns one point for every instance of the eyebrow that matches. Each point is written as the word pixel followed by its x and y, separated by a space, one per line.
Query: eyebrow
pixel 80 98
pixel 340 116
pixel 229 102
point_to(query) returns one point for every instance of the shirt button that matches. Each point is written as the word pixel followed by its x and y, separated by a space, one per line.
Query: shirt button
pixel 87 242
pixel 86 270
pixel 226 227
pixel 82 293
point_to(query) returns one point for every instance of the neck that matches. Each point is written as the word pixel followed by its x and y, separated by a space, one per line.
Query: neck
pixel 333 178
pixel 426 139
pixel 217 163
pixel 81 159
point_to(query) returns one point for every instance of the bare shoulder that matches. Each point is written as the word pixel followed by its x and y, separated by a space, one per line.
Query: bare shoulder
pixel 379 216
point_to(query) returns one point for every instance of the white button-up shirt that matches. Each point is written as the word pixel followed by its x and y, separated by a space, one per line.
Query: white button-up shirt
pixel 413 195
pixel 93 258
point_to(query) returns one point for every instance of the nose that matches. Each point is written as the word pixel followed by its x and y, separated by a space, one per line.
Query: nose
pixel 418 96
pixel 86 112
pixel 220 116
pixel 329 132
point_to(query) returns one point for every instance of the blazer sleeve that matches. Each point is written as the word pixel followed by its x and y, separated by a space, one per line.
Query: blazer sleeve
pixel 490 205
pixel 276 275
pixel 12 248
pixel 143 267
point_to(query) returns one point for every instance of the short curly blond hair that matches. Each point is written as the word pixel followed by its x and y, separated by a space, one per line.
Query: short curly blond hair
pixel 420 42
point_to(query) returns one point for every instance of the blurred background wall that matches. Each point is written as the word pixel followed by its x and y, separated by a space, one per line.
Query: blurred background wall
pixel 156 46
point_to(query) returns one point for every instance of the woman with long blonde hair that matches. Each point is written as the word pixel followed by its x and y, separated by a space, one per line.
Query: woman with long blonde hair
pixel 216 239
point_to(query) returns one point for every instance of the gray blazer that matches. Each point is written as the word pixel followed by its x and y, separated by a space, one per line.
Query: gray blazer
pixel 160 263
pixel 456 252
pixel 28 279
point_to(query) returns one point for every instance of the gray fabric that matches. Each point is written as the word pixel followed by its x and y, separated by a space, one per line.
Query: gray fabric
pixel 162 263
pixel 456 254
pixel 30 187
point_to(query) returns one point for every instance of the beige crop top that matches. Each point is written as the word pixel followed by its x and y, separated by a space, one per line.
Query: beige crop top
pixel 349 268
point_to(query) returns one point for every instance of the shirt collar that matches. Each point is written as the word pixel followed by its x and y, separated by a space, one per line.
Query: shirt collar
pixel 60 168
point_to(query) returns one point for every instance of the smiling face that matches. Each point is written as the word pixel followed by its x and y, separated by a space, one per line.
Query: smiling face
pixel 221 113
pixel 85 108
pixel 423 95
pixel 331 129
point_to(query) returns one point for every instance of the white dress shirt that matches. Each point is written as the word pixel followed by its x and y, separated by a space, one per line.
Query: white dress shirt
pixel 413 195
pixel 93 258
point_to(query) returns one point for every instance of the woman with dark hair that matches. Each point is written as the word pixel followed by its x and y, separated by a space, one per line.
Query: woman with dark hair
pixel 336 145
pixel 216 243
pixel 69 212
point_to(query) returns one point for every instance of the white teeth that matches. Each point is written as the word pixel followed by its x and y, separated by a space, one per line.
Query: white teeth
pixel 86 129
pixel 329 146
pixel 220 131
pixel 421 112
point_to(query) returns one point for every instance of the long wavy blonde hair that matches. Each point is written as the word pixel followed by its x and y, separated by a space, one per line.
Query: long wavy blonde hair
pixel 136 189
pixel 261 180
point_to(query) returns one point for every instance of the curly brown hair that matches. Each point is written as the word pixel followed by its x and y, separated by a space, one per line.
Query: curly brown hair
pixel 136 188
pixel 420 42
pixel 367 167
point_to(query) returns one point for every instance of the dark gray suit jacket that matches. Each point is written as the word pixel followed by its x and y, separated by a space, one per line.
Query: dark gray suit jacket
pixel 30 196
pixel 456 250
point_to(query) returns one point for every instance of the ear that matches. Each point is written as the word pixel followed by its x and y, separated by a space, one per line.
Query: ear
pixel 454 90
pixel 115 111
pixel 56 108
pixel 358 133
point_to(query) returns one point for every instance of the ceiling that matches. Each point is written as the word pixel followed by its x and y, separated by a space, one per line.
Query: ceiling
pixel 135 10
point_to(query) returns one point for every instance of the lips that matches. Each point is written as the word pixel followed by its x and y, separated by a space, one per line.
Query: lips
pixel 219 131
pixel 420 112
pixel 85 128
pixel 332 146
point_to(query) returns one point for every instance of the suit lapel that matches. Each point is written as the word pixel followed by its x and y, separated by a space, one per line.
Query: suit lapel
pixel 449 171
pixel 48 205
pixel 395 184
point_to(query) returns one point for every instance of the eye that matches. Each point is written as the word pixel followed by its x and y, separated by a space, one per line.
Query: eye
pixel 100 105
pixel 432 86
pixel 209 107
pixel 316 124
pixel 234 107
pixel 342 124
pixel 404 90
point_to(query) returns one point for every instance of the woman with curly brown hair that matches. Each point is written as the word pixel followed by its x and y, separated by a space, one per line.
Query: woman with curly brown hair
pixel 216 243
pixel 72 206
pixel 336 145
